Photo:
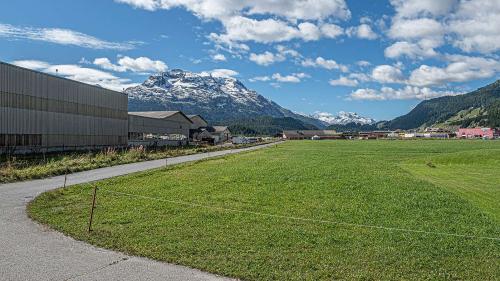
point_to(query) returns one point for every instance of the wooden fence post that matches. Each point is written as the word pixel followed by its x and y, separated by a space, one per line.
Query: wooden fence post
pixel 92 209
pixel 65 178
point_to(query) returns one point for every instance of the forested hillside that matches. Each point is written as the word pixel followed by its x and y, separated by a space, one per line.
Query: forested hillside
pixel 441 109
pixel 266 126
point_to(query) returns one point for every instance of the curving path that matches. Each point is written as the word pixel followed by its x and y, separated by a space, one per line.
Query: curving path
pixel 30 251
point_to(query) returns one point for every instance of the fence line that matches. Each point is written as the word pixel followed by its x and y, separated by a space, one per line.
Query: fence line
pixel 396 229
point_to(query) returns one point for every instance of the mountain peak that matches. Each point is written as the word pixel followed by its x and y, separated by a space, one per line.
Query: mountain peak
pixel 343 118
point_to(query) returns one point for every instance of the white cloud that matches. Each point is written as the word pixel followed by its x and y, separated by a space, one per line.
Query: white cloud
pixel 363 31
pixel 79 73
pixel 291 78
pixel 324 63
pixel 410 50
pixel 387 74
pixel 286 79
pixel 221 9
pixel 471 26
pixel 239 28
pixel 344 81
pixel 223 73
pixel 266 58
pixel 141 64
pixel 62 36
pixel 285 51
pixel 460 69
pixel 476 26
pixel 32 64
pixel 363 63
pixel 277 19
pixel 414 8
pixel 408 92
pixel 360 77
pixel 219 57
pixel 331 30
pixel 260 78
pixel 416 28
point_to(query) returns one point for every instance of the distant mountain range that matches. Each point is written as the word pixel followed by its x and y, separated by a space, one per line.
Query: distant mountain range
pixel 343 118
pixel 225 100
pixel 217 99
pixel 478 108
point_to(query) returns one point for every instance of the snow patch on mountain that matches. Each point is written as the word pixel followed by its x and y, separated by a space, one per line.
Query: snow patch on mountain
pixel 343 118
pixel 215 97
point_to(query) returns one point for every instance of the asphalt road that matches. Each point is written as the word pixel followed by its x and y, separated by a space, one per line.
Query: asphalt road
pixel 30 251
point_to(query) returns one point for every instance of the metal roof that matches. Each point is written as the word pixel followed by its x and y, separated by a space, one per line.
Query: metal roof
pixel 194 115
pixel 159 114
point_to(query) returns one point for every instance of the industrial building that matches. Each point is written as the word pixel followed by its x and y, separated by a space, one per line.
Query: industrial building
pixel 158 128
pixel 41 112
pixel 198 129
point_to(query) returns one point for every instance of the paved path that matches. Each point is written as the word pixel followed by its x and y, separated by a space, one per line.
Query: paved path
pixel 30 251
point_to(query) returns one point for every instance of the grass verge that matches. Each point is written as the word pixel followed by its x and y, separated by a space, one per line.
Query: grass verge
pixel 19 169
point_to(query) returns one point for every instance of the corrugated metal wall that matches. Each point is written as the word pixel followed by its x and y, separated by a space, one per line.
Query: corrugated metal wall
pixel 170 125
pixel 64 113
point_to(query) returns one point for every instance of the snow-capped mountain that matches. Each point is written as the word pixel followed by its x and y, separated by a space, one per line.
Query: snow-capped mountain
pixel 343 118
pixel 215 98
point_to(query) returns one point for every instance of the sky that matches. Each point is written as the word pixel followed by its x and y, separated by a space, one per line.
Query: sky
pixel 377 58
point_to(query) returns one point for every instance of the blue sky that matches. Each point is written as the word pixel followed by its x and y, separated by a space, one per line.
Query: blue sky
pixel 377 58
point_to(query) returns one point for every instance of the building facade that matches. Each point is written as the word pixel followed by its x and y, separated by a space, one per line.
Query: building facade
pixel 158 128
pixel 470 133
pixel 198 126
pixel 41 112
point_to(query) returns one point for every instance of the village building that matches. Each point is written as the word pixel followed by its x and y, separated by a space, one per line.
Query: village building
pixel 158 128
pixel 199 124
pixel 220 134
pixel 471 133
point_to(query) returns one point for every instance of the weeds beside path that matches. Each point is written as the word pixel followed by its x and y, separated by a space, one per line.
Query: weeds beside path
pixel 19 169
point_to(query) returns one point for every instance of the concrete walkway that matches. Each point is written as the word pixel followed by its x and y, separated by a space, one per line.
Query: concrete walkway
pixel 30 251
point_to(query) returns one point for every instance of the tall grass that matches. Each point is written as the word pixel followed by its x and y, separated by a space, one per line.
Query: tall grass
pixel 18 169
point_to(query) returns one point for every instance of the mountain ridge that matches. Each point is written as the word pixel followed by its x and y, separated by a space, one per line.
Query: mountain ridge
pixel 439 110
pixel 343 118
pixel 217 98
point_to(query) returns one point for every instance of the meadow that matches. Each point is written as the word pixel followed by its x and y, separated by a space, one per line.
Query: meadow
pixel 305 210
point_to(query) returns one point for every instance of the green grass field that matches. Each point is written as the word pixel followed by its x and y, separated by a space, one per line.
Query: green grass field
pixel 305 211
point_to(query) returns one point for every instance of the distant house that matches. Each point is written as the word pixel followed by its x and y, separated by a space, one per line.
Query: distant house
pixel 472 133
pixel 309 134
pixel 199 124
pixel 220 134
pixel 198 121
pixel 158 128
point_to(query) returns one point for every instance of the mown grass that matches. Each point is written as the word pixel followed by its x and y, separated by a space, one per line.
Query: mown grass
pixel 375 183
pixel 19 168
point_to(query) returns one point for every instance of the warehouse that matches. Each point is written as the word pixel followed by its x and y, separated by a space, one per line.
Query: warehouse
pixel 158 128
pixel 41 112
pixel 197 128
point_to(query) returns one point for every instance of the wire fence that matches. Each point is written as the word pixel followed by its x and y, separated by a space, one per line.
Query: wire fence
pixel 302 219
